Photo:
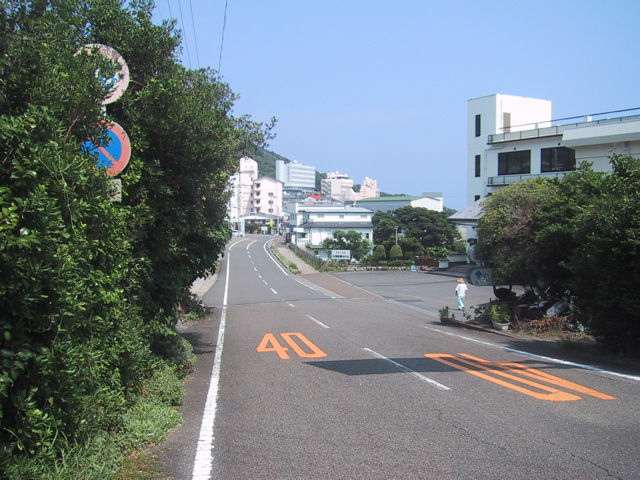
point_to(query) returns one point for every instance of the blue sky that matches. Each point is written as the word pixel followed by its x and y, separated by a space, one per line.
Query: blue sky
pixel 379 89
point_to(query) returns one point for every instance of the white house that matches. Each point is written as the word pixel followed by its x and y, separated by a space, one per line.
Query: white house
pixel 511 139
pixel 310 225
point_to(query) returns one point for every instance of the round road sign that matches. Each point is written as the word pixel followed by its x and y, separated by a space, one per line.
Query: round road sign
pixel 119 82
pixel 115 155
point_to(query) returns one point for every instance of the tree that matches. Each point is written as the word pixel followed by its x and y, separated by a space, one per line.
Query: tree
pixel 89 286
pixel 508 236
pixel 384 227
pixel 604 261
pixel 379 253
pixel 349 240
pixel 430 228
pixel 396 252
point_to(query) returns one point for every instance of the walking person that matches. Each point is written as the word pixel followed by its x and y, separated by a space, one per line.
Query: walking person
pixel 461 292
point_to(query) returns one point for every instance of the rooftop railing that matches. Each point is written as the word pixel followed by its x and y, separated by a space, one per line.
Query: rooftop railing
pixel 542 129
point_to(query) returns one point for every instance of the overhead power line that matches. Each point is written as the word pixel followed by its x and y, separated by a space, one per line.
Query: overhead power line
pixel 224 26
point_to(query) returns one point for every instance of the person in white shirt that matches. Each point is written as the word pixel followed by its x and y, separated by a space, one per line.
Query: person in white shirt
pixel 461 292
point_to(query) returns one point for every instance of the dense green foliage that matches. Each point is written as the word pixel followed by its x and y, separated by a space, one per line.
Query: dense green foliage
pixel 579 234
pixel 348 240
pixel 89 287
pixel 418 231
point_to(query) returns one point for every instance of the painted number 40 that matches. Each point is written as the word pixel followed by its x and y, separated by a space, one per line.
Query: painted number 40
pixel 269 343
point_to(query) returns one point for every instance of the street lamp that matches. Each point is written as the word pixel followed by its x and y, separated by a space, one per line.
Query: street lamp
pixel 397 227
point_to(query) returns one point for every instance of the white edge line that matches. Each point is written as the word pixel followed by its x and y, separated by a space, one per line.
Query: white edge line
pixel 317 321
pixel 408 370
pixel 542 357
pixel 300 281
pixel 203 462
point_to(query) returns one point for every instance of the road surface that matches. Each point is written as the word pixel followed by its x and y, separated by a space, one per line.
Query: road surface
pixel 352 376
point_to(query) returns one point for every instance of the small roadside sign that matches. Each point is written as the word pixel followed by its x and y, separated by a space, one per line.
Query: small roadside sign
pixel 481 277
pixel 340 254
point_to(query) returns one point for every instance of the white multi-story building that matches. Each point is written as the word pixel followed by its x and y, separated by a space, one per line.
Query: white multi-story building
pixel 310 225
pixel 266 197
pixel 255 199
pixel 296 176
pixel 511 139
pixel 368 189
pixel 338 186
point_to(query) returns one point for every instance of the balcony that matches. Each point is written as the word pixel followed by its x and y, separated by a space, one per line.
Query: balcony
pixel 503 180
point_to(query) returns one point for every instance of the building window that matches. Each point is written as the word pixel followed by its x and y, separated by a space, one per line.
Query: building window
pixel 341 216
pixel 476 198
pixel 478 130
pixel 477 165
pixel 514 163
pixel 557 159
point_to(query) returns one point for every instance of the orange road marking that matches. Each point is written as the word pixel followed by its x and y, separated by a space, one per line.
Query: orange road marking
pixel 270 339
pixel 316 352
pixel 546 377
pixel 500 369
pixel 269 343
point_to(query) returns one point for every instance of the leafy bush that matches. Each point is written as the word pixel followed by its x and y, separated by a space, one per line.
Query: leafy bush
pixel 89 287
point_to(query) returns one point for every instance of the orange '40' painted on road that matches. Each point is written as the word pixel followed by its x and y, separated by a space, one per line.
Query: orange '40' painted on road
pixel 514 372
pixel 269 343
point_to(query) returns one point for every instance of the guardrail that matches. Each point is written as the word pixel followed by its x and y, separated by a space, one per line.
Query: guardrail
pixel 314 260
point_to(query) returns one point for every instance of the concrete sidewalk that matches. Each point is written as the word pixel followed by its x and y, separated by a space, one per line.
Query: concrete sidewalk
pixel 284 250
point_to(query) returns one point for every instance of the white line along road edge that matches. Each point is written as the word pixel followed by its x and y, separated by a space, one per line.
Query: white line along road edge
pixel 203 462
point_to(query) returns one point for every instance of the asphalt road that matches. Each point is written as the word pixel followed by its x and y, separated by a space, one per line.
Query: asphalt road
pixel 352 376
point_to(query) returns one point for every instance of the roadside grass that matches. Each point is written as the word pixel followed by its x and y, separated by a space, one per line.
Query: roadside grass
pixel 290 265
pixel 121 454
pixel 142 466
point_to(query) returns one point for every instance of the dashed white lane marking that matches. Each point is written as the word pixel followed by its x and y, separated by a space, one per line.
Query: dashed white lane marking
pixel 317 321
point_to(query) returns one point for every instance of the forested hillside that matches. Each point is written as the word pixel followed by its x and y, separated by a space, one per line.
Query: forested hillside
pixel 266 161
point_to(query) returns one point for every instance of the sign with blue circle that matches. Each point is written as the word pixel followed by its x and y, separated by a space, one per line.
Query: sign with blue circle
pixel 114 154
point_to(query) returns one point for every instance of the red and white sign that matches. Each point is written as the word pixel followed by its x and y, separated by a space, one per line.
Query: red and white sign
pixel 119 82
